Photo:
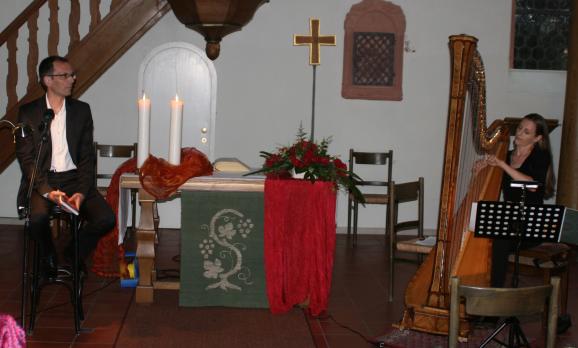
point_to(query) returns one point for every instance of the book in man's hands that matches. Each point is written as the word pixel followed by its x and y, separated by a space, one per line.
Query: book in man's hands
pixel 67 207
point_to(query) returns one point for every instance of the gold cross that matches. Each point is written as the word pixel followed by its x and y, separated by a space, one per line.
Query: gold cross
pixel 314 41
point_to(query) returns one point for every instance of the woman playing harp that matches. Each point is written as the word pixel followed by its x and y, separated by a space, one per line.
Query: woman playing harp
pixel 468 140
pixel 529 160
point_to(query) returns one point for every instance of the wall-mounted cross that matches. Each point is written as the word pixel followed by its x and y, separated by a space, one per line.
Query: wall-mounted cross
pixel 314 41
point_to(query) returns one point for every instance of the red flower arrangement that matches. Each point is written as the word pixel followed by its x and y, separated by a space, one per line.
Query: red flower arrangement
pixel 310 160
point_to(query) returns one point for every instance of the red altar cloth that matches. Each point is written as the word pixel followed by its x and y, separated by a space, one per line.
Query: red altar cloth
pixel 299 243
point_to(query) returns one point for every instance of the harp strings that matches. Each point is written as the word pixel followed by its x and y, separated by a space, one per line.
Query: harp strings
pixel 469 183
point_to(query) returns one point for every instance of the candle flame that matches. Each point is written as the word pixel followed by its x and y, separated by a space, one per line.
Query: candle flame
pixel 176 97
pixel 144 96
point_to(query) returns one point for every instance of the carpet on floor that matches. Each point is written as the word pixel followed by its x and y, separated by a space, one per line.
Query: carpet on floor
pixel 165 324
pixel 396 338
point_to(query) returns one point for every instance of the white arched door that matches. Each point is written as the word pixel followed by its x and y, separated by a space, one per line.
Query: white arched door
pixel 183 69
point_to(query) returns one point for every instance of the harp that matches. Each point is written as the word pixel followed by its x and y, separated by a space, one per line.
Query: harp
pixel 457 252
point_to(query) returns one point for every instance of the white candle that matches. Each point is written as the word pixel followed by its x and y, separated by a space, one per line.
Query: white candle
pixel 144 121
pixel 176 131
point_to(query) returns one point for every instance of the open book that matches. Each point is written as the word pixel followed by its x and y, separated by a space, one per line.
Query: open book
pixel 230 165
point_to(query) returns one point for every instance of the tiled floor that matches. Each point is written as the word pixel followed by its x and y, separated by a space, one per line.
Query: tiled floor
pixel 358 311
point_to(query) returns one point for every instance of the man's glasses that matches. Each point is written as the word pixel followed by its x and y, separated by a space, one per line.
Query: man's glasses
pixel 64 76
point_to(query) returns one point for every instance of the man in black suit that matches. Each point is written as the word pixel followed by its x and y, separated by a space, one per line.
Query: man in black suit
pixel 66 163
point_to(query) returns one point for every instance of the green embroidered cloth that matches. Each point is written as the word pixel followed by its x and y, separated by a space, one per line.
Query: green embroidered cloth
pixel 222 249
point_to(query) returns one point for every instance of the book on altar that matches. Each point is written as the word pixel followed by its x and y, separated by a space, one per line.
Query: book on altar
pixel 230 165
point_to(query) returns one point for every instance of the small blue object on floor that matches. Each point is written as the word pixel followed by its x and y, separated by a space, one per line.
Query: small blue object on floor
pixel 132 265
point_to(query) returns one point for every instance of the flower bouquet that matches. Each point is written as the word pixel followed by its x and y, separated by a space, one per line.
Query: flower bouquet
pixel 312 161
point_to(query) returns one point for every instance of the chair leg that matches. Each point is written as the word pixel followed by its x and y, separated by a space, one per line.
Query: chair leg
pixel 355 211
pixel 76 281
pixel 349 207
pixel 392 240
pixel 391 268
pixel 387 235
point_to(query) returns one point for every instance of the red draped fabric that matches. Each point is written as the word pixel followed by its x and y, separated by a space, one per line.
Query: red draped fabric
pixel 160 179
pixel 299 243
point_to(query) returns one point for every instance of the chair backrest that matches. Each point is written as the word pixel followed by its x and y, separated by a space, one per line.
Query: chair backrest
pixel 504 302
pixel 409 192
pixel 372 158
pixel 110 151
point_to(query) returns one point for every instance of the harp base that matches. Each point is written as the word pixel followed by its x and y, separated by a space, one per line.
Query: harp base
pixel 430 320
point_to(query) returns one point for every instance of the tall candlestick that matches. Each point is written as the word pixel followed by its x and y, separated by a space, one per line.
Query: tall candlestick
pixel 144 121
pixel 176 131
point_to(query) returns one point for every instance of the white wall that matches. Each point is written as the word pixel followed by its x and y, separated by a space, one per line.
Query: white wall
pixel 264 90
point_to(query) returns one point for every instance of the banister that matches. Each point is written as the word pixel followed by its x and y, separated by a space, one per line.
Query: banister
pixel 20 20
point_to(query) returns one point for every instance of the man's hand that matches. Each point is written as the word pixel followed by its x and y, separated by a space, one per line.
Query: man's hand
pixel 57 196
pixel 76 200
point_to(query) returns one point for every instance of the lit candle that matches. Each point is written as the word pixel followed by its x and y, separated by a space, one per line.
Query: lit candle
pixel 144 121
pixel 176 131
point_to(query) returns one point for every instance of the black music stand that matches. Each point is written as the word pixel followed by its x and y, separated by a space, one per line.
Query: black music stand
pixel 507 220
pixel 521 222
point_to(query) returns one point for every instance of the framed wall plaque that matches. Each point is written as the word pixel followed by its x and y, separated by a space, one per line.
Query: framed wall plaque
pixel 373 51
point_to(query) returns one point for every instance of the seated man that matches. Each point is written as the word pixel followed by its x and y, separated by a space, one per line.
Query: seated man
pixel 66 163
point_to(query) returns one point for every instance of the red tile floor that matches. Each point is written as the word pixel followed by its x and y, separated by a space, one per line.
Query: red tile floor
pixel 358 308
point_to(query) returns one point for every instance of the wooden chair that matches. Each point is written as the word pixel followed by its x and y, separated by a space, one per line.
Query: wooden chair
pixel 504 302
pixel 385 181
pixel 548 260
pixel 406 193
pixel 104 151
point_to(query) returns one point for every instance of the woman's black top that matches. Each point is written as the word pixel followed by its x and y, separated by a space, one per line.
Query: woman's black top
pixel 536 165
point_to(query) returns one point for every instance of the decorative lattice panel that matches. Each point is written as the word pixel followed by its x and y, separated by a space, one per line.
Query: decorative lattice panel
pixel 373 59
pixel 541 34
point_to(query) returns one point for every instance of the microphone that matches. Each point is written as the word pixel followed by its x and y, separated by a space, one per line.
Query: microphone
pixel 46 119
pixel 20 130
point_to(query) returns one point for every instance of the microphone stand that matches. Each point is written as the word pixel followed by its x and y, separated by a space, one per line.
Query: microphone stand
pixel 25 212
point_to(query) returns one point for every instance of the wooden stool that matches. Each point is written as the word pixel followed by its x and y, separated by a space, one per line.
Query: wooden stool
pixel 548 260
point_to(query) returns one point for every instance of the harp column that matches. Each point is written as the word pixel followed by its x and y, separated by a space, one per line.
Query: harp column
pixel 567 188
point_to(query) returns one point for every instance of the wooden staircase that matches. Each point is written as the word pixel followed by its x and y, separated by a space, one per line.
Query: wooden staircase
pixel 108 38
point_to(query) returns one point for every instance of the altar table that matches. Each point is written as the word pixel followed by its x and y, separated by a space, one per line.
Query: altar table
pixel 145 232
pixel 299 230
